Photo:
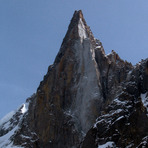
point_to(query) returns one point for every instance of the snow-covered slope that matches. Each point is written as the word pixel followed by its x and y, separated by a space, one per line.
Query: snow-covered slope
pixel 10 124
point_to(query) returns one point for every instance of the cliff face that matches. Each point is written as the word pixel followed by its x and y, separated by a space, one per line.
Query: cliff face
pixel 86 99
pixel 123 123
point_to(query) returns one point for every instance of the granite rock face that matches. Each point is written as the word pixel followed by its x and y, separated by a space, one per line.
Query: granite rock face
pixel 124 121
pixel 87 99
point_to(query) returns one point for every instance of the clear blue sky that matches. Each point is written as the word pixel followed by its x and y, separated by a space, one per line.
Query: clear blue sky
pixel 31 32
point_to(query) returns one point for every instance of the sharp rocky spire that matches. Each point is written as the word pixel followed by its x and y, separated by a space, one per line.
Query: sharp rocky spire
pixel 81 86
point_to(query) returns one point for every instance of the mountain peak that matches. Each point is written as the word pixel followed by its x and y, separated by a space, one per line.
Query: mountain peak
pixel 72 32
pixel 77 27
pixel 77 30
pixel 87 99
pixel 78 14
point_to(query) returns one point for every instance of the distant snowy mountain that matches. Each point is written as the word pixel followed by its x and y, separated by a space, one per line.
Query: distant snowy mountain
pixel 87 99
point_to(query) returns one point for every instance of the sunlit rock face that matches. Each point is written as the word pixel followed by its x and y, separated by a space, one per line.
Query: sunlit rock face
pixel 87 99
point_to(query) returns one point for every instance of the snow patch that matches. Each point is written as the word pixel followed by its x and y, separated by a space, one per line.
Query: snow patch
pixel 143 142
pixel 95 125
pixel 98 47
pixel 120 102
pixel 130 145
pixel 107 145
pixel 5 123
pixel 115 112
pixel 7 117
pixel 144 99
pixel 118 119
pixel 25 108
pixel 5 141
pixel 81 30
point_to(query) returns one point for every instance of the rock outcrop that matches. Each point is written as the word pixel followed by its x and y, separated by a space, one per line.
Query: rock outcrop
pixel 87 99
pixel 124 121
